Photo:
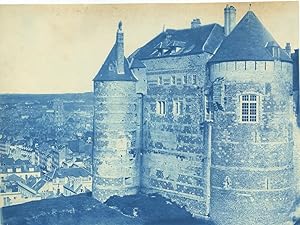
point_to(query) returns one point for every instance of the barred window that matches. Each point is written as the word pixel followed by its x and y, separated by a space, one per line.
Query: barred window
pixel 161 107
pixel 249 108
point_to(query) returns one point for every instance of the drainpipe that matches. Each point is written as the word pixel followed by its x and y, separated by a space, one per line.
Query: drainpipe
pixel 1 216
pixel 141 143
pixel 209 150
pixel 209 123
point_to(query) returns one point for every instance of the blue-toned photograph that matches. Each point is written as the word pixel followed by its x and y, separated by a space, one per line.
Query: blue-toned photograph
pixel 150 114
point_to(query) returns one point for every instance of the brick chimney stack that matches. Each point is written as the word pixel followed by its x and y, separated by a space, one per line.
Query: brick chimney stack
pixel 229 19
pixel 195 23
pixel 288 49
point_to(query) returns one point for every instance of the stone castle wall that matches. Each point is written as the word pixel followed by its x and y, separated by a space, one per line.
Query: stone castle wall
pixel 137 148
pixel 174 155
pixel 116 147
pixel 252 163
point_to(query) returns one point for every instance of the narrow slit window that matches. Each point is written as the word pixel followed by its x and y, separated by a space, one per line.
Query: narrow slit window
pixel 185 79
pixel 160 80
pixel 194 79
pixel 173 80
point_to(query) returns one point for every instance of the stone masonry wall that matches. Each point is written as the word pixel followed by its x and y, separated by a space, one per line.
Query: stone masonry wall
pixel 174 155
pixel 116 129
pixel 252 163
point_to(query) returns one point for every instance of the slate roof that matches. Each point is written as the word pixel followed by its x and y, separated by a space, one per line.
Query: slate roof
pixel 39 185
pixel 70 172
pixel 205 38
pixel 248 41
pixel 136 63
pixel 108 71
pixel 15 178
pixel 31 181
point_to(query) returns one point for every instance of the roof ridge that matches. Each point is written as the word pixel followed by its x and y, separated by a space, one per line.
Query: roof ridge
pixel 184 29
pixel 203 46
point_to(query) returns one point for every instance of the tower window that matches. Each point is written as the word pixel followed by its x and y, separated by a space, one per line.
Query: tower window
pixel 185 79
pixel 159 80
pixel 227 183
pixel 267 183
pixel 249 111
pixel 194 79
pixel 173 80
pixel 161 107
pixel 177 108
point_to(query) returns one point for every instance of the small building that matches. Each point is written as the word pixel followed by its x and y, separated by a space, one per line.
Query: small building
pixel 22 171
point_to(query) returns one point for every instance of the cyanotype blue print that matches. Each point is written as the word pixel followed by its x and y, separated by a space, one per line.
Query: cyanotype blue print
pixel 198 125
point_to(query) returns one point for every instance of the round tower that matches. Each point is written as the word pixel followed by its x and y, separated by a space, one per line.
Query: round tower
pixel 252 141
pixel 115 156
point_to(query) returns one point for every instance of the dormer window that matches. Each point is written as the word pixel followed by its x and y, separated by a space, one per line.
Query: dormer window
pixel 110 67
pixel 276 52
pixel 274 49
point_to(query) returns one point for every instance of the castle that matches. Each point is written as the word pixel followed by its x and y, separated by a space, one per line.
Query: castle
pixel 201 116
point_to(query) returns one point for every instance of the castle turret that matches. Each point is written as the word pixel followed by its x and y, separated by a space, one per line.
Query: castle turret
pixel 115 150
pixel 252 145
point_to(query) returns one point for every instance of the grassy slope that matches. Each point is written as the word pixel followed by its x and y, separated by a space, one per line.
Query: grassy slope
pixel 84 210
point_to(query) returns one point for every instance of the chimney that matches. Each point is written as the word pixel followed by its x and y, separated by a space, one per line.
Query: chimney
pixel 120 49
pixel 196 23
pixel 288 48
pixel 229 19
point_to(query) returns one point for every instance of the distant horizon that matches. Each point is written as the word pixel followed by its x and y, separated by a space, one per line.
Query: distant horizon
pixel 58 49
pixel 86 92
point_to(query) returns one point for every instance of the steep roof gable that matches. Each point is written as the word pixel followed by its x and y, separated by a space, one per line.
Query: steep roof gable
pixel 205 38
pixel 249 40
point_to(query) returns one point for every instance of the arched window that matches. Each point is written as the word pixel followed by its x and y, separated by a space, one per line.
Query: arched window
pixel 249 108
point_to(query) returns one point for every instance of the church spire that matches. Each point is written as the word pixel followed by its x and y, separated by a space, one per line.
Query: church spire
pixel 120 49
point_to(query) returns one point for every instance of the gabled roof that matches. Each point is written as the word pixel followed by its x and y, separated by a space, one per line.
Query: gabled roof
pixel 15 178
pixel 205 38
pixel 31 181
pixel 71 172
pixel 249 40
pixel 108 71
pixel 39 185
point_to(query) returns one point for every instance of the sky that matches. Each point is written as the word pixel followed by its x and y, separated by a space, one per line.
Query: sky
pixel 60 48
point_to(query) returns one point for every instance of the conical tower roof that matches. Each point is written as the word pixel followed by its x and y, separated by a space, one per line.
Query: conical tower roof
pixel 249 41
pixel 114 68
pixel 108 71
